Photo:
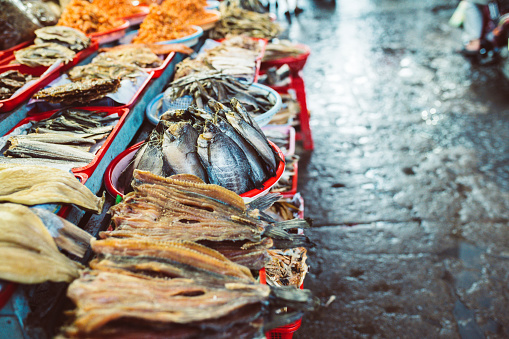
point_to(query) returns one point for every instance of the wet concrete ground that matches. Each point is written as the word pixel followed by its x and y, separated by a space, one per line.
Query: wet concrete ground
pixel 408 184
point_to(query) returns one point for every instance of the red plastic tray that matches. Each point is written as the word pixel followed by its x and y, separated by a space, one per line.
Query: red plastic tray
pixel 110 180
pixel 17 99
pixel 8 52
pixel 7 289
pixel 295 63
pixel 112 34
pixel 83 173
pixel 139 17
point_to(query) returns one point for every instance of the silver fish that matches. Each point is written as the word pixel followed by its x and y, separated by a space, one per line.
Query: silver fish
pixel 179 148
pixel 53 138
pixel 225 162
pixel 59 164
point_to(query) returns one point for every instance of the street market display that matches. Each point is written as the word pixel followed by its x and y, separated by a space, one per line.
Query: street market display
pixel 185 254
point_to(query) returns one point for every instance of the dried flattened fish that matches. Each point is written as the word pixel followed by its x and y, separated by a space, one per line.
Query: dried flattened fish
pixel 26 148
pixel 11 81
pixel 79 92
pixel 34 185
pixel 44 54
pixel 29 253
pixel 65 36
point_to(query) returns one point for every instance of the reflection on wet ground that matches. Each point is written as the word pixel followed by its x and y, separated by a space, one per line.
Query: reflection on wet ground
pixel 408 184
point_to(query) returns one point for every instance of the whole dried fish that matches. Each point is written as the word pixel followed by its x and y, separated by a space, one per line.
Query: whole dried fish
pixel 105 69
pixel 59 164
pixel 154 47
pixel 65 36
pixel 29 253
pixel 53 138
pixel 34 185
pixel 27 148
pixel 44 54
pixel 83 91
pixel 138 55
pixel 11 81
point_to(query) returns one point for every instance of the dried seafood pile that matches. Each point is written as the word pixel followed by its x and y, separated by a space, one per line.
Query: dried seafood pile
pixel 160 25
pixel 282 49
pixel 65 138
pixel 205 86
pixel 149 279
pixel 33 185
pixel 235 56
pixel 52 44
pixel 82 92
pixel 287 267
pixel 284 209
pixel 87 17
pixel 227 149
pixel 11 81
pixel 117 8
pixel 191 12
pixel 238 21
pixel 137 54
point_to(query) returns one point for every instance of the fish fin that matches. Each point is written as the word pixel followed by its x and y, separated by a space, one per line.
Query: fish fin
pixel 294 223
pixel 263 203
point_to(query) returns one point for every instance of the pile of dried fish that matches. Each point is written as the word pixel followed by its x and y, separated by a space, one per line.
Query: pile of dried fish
pixel 283 209
pixel 227 149
pixel 205 86
pixel 83 91
pixel 288 113
pixel 137 54
pixel 29 253
pixel 66 36
pixel 280 138
pixel 250 5
pixel 238 21
pixel 44 54
pixel 86 17
pixel 65 138
pixel 282 49
pixel 106 70
pixel 287 267
pixel 182 207
pixel 160 25
pixel 235 56
pixel 34 185
pixel 285 183
pixel 11 81
pixel 155 48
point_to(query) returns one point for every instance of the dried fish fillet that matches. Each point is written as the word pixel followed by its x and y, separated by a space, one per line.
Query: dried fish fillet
pixel 65 36
pixel 172 258
pixel 33 185
pixel 103 298
pixel 245 253
pixel 29 253
pixel 79 92
pixel 54 138
pixel 45 54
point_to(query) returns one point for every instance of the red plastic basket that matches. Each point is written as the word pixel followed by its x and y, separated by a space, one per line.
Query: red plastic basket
pixel 295 63
pixel 112 173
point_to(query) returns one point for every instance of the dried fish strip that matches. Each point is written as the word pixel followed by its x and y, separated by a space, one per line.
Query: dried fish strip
pixel 154 47
pixel 287 267
pixel 65 36
pixel 26 148
pixel 104 298
pixel 11 81
pixel 29 253
pixel 34 185
pixel 45 54
pixel 54 138
pixel 183 259
pixel 79 92
pixel 246 253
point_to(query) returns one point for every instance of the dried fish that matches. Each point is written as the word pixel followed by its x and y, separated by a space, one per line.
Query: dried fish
pixel 238 21
pixel 287 267
pixel 138 55
pixel 79 91
pixel 171 308
pixel 29 253
pixel 59 164
pixel 105 69
pixel 282 49
pixel 27 148
pixel 44 54
pixel 66 36
pixel 154 47
pixel 53 138
pixel 33 185
pixel 11 81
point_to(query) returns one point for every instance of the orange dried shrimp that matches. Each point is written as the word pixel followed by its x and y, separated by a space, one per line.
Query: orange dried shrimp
pixel 117 8
pixel 161 26
pixel 191 12
pixel 84 16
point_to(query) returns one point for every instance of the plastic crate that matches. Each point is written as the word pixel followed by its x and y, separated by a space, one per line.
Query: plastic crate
pixel 295 63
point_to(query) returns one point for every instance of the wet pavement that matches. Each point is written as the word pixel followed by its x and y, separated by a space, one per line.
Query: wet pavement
pixel 408 184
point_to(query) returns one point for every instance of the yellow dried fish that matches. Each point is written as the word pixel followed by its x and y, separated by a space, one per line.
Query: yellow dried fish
pixel 29 253
pixel 33 185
